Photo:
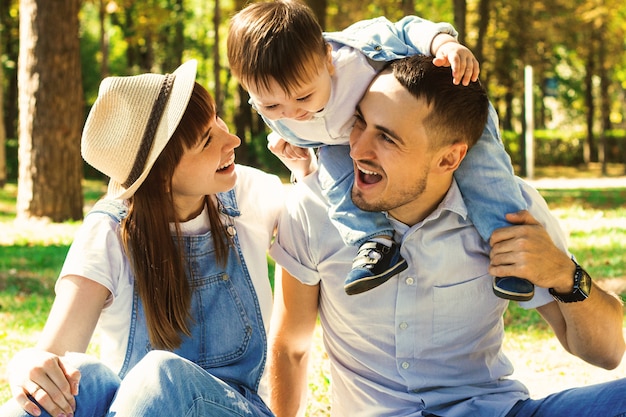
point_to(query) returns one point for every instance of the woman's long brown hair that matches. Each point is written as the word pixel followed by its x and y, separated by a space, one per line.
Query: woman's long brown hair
pixel 157 260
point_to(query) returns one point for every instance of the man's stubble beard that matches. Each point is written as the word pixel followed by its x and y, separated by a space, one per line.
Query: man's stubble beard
pixel 402 197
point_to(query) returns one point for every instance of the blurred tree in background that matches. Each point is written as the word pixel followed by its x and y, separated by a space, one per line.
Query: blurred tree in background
pixel 50 97
pixel 576 49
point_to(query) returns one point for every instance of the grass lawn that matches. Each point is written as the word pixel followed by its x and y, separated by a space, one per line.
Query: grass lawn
pixel 595 219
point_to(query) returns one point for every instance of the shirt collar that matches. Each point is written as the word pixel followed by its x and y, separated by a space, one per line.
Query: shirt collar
pixel 452 202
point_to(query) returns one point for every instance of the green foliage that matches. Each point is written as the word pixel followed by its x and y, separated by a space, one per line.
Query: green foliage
pixel 564 147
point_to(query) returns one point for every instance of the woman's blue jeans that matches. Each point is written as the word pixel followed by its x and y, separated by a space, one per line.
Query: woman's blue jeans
pixel 161 384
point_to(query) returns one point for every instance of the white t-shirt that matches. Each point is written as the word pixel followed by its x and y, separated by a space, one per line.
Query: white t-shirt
pixel 97 254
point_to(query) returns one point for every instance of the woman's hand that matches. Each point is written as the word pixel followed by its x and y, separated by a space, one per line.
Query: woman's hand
pixel 42 376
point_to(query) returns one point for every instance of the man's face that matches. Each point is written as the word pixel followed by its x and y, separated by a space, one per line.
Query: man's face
pixel 390 149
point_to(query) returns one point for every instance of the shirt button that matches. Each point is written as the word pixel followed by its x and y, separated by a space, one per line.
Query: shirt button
pixel 231 230
pixel 409 281
pixel 405 365
pixel 404 325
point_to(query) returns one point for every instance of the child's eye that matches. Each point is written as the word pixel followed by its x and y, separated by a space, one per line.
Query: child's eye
pixel 305 98
pixel 270 107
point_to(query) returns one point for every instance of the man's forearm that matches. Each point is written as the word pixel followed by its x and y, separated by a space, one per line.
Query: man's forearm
pixel 594 328
pixel 288 383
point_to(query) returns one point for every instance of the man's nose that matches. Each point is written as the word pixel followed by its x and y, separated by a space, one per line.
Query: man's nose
pixel 359 144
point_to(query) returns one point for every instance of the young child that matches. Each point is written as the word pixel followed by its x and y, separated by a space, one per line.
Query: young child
pixel 306 85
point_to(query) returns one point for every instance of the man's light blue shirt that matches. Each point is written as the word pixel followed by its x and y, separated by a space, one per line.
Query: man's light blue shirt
pixel 429 339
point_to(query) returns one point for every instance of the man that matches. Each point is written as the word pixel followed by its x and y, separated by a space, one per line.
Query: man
pixel 429 342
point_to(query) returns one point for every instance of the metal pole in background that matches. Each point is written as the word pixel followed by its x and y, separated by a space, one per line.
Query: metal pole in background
pixel 529 119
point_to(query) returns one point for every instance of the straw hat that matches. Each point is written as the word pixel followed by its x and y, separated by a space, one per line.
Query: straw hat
pixel 130 123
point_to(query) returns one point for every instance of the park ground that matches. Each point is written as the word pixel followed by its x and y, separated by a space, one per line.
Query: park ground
pixel 541 363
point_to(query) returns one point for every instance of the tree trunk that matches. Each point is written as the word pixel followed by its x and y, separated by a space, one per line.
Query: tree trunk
pixel 483 24
pixel 460 13
pixel 50 111
pixel 319 8
pixel 590 108
pixel 243 113
pixel 8 27
pixel 605 104
pixel 407 6
pixel 3 134
pixel 217 67
pixel 104 41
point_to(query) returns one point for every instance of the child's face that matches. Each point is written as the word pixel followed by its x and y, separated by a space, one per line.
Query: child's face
pixel 309 98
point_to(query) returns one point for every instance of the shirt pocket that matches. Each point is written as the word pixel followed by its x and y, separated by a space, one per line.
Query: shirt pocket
pixel 221 330
pixel 465 311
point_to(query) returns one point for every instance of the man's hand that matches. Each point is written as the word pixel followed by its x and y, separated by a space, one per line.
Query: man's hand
pixel 526 250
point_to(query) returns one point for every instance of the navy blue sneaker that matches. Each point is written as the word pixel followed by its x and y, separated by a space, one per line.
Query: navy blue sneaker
pixel 374 264
pixel 513 288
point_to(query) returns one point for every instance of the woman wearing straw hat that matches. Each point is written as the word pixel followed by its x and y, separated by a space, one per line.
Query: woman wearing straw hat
pixel 170 267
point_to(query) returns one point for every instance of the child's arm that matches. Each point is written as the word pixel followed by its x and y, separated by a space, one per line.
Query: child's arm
pixel 381 40
pixel 448 52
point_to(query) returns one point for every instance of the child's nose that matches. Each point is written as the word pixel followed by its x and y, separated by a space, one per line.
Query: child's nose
pixel 290 112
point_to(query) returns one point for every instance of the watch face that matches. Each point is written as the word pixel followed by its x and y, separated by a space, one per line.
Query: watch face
pixel 585 282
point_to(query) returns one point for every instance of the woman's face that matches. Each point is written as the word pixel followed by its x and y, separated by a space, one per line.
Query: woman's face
pixel 204 169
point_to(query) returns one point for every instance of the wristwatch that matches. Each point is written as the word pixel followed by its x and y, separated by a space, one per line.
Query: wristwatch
pixel 582 287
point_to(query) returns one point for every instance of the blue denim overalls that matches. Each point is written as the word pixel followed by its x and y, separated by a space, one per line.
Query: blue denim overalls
pixel 227 336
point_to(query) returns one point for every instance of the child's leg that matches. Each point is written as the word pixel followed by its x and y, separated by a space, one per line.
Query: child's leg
pixel 490 190
pixel 379 257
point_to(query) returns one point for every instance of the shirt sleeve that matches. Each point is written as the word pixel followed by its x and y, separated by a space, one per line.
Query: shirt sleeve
pixel 96 253
pixel 297 228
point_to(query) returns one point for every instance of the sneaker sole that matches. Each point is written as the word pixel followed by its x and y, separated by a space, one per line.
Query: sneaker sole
pixel 366 284
pixel 514 296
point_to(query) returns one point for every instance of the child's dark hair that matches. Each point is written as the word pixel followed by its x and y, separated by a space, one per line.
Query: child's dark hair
pixel 458 113
pixel 275 40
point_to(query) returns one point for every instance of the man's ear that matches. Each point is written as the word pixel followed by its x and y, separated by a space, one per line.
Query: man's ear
pixel 329 59
pixel 451 157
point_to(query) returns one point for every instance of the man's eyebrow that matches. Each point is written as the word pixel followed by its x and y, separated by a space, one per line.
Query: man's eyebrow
pixel 384 129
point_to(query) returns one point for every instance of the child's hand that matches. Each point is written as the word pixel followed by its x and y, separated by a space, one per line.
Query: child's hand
pixel 465 66
pixel 300 161
pixel 285 150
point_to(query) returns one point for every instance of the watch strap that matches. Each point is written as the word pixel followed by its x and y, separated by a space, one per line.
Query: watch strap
pixel 581 290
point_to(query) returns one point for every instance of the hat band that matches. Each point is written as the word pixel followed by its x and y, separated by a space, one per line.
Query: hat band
pixel 150 131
